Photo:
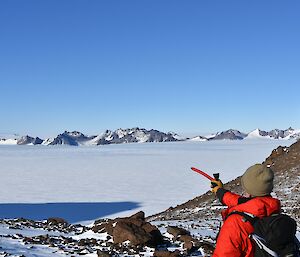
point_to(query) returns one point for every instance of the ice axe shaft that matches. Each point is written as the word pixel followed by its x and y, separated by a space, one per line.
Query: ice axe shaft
pixel 216 175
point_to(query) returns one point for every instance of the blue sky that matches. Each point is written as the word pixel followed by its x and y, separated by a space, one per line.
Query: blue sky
pixel 183 66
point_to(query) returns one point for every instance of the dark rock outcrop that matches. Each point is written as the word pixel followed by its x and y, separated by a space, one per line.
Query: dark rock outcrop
pixel 26 140
pixel 134 229
pixel 176 231
pixel 231 134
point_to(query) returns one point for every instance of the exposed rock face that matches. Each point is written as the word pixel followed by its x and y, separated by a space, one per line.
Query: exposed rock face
pixel 134 135
pixel 127 230
pixel 231 134
pixel 275 133
pixel 284 158
pixel 26 140
pixel 62 139
pixel 69 138
pixel 134 229
pixel 278 133
pixel 285 161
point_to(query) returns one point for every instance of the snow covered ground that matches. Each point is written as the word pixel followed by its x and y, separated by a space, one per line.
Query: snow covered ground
pixel 116 180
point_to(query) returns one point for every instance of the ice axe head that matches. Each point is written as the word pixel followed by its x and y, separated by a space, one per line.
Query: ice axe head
pixel 216 176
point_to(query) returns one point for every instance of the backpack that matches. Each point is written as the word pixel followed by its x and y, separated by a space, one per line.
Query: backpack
pixel 274 235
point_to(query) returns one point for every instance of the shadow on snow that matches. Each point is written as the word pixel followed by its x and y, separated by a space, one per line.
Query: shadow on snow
pixel 72 212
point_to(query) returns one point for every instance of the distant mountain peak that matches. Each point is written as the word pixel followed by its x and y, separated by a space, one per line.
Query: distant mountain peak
pixel 28 140
pixel 231 134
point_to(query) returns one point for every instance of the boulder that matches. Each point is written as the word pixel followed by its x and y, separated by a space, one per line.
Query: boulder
pixel 134 229
pixel 125 230
pixel 208 248
pixel 57 221
pixel 139 215
pixel 103 254
pixel 176 231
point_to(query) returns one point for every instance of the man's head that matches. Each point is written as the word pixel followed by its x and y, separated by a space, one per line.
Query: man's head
pixel 258 180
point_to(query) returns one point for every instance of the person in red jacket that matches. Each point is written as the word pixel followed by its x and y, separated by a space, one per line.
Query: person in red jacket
pixel 233 239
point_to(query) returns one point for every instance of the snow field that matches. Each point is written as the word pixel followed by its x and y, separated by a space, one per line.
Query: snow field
pixel 154 175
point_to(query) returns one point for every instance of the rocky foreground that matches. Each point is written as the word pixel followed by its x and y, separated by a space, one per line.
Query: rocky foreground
pixel 131 236
pixel 188 229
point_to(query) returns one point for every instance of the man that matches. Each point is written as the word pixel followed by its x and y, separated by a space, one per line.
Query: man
pixel 233 239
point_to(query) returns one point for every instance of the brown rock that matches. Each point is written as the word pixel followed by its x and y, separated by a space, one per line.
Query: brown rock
pixel 57 221
pixel 176 231
pixel 189 243
pixel 133 228
pixel 125 230
pixel 103 254
pixel 139 215
pixel 137 219
pixel 208 248
pixel 185 238
pixel 157 238
pixel 87 242
pixel 189 246
pixel 109 228
pixel 98 228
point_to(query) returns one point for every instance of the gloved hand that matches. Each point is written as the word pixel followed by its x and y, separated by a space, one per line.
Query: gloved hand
pixel 215 185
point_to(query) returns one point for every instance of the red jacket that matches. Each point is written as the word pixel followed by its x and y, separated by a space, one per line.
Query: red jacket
pixel 233 239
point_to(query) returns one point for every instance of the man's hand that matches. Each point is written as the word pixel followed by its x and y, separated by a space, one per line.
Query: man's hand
pixel 215 185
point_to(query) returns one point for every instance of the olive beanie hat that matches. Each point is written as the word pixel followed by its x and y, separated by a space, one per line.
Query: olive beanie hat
pixel 258 180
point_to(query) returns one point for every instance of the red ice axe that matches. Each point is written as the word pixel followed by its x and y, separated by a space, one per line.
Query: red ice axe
pixel 216 175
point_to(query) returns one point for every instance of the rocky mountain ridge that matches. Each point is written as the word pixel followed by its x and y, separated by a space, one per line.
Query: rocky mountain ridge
pixel 233 134
pixel 141 135
pixel 75 138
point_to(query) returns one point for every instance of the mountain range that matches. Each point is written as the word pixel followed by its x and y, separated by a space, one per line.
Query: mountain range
pixel 141 135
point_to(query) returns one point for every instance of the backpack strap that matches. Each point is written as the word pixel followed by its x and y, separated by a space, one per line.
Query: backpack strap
pixel 261 243
pixel 246 216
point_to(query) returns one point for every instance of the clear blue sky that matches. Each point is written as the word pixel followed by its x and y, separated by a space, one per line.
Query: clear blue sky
pixel 185 66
